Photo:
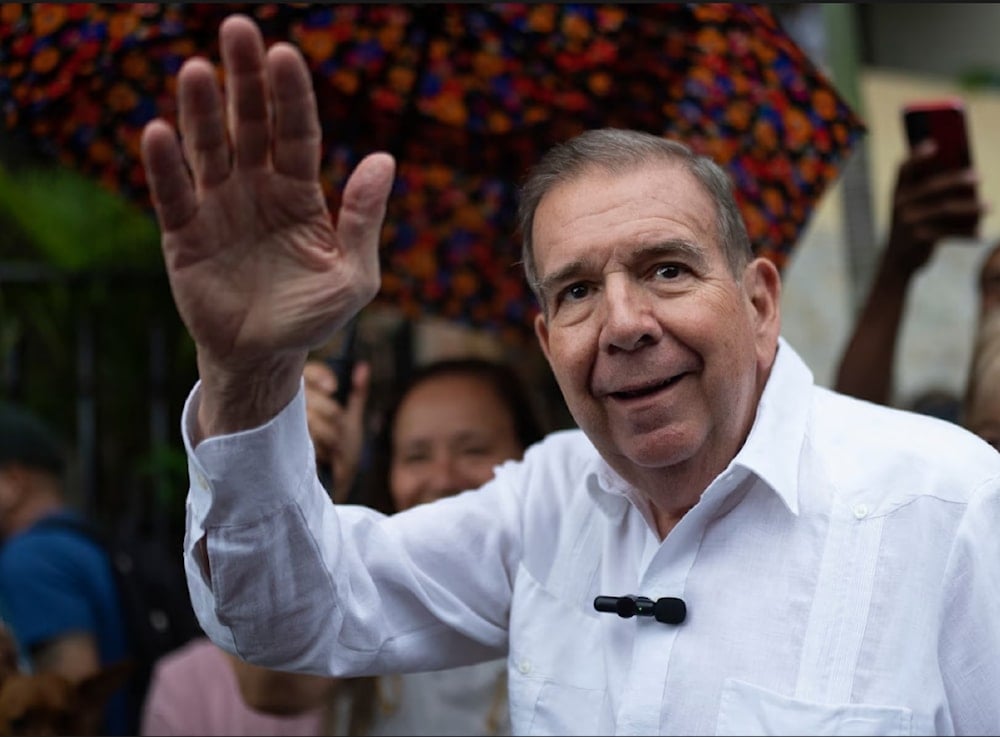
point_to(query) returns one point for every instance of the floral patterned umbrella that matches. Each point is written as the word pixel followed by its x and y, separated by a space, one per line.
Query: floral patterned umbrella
pixel 466 96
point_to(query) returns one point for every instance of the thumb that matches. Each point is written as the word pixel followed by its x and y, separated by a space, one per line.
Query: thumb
pixel 361 380
pixel 362 208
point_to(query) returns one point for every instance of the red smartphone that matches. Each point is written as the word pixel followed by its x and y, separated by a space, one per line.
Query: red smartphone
pixel 943 121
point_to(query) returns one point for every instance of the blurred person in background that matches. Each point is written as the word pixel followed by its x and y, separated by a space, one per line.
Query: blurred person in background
pixel 981 403
pixel 57 587
pixel 989 281
pixel 928 206
pixel 338 430
pixel 195 691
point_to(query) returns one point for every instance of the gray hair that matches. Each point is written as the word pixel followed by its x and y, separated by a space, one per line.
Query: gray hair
pixel 618 151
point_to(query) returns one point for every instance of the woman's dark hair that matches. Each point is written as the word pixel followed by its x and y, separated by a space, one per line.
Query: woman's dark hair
pixel 505 383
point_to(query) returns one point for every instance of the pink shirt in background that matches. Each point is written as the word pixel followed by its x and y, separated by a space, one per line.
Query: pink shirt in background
pixel 194 691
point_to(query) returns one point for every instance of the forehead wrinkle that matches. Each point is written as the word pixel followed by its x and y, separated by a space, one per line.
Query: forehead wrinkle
pixel 671 247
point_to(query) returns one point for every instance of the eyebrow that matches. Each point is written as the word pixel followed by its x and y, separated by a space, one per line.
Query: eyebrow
pixel 663 249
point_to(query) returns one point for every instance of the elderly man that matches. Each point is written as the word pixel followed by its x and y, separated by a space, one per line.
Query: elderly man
pixel 796 561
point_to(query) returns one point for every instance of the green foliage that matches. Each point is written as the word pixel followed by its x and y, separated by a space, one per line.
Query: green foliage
pixel 165 470
pixel 76 224
pixel 979 79
pixel 90 338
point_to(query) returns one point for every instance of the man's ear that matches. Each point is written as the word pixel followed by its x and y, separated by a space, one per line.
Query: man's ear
pixel 762 285
pixel 542 332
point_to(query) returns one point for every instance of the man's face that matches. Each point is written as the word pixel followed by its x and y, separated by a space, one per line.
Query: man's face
pixel 660 351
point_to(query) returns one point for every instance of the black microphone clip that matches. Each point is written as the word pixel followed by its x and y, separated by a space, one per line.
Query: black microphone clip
pixel 666 609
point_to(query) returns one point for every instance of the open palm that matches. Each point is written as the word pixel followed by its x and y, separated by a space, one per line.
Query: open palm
pixel 257 267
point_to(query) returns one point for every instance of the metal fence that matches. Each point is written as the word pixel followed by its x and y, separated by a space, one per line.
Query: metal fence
pixel 105 360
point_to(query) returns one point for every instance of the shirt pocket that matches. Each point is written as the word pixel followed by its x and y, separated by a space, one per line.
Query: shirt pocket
pixel 556 671
pixel 746 709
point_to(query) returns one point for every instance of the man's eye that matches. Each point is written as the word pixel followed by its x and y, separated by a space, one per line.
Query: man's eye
pixel 669 271
pixel 575 292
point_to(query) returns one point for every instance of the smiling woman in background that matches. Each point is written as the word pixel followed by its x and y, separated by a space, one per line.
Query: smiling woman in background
pixel 449 427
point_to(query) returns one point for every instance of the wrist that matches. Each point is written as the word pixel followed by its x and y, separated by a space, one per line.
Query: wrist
pixel 236 399
pixel 894 276
pixel 903 257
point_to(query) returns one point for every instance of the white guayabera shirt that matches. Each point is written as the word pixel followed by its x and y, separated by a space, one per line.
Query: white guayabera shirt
pixel 842 576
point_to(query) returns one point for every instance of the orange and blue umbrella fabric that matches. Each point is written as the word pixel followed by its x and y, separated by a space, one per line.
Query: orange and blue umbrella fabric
pixel 467 97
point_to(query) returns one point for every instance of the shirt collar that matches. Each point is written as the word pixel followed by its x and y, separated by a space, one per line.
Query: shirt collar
pixel 772 448
pixel 771 451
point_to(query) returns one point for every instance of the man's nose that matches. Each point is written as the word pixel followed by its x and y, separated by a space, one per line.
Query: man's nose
pixel 630 320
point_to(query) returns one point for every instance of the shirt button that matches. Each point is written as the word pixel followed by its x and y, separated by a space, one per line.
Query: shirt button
pixel 860 511
pixel 524 667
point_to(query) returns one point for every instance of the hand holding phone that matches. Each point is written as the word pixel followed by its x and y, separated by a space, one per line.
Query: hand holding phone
pixel 942 121
pixel 936 194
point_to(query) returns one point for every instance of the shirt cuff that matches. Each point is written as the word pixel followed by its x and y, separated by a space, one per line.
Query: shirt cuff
pixel 244 477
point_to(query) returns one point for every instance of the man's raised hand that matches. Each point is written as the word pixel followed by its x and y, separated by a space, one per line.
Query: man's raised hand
pixel 259 272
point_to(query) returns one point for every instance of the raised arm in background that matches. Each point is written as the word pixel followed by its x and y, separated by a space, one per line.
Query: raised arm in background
pixel 928 206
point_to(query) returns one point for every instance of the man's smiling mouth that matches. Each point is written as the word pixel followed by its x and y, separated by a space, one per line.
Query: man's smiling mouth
pixel 645 391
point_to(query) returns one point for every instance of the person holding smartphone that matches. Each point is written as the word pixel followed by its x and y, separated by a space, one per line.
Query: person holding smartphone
pixel 934 198
pixel 336 416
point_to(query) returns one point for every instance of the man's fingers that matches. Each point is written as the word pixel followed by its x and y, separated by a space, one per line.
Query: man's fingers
pixel 169 182
pixel 247 95
pixel 202 123
pixel 297 133
pixel 362 208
